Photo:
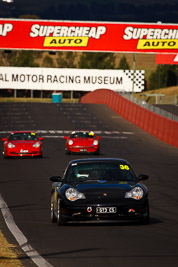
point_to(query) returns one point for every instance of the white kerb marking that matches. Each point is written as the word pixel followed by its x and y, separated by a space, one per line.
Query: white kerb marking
pixel 19 236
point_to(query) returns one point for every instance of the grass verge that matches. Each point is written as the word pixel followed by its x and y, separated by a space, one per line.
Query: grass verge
pixel 167 95
pixel 38 100
pixel 8 254
pixel 166 91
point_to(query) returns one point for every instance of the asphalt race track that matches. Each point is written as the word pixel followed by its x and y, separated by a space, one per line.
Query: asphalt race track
pixel 25 187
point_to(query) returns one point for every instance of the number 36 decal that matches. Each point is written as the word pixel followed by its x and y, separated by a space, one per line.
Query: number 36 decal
pixel 124 167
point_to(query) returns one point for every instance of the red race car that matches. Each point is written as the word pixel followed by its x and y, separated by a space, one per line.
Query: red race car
pixel 82 142
pixel 23 144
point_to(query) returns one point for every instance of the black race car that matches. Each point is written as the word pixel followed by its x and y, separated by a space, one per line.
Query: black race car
pixel 99 190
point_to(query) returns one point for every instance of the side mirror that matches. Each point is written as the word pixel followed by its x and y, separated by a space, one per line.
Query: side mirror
pixel 55 178
pixel 40 138
pixel 98 137
pixel 66 137
pixel 143 177
pixel 4 139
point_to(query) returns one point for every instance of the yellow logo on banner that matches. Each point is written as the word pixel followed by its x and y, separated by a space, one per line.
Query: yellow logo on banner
pixel 157 44
pixel 65 41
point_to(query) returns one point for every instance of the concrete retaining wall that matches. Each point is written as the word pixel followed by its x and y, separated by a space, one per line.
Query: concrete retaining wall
pixel 158 126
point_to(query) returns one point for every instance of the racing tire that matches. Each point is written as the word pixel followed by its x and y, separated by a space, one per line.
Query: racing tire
pixel 68 152
pixel 97 152
pixel 60 221
pixel 53 217
pixel 39 157
pixel 6 157
pixel 146 220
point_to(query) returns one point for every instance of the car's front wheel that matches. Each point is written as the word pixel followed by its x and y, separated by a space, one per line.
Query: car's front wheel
pixel 5 156
pixel 53 217
pixel 97 152
pixel 60 221
pixel 146 218
pixel 68 152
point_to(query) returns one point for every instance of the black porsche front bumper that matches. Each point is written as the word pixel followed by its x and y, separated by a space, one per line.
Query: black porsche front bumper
pixel 88 213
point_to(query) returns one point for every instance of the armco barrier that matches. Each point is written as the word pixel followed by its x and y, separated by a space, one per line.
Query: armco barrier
pixel 158 126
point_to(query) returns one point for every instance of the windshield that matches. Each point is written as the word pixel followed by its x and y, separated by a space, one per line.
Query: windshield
pixel 96 171
pixel 22 136
pixel 82 135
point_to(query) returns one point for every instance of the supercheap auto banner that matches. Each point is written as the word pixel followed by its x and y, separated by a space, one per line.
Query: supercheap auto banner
pixel 88 36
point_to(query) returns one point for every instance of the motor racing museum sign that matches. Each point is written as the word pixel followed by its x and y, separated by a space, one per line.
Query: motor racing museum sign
pixel 88 36
pixel 70 79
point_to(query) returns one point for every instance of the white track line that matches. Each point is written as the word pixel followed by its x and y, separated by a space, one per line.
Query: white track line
pixel 19 236
pixel 68 131
pixel 103 137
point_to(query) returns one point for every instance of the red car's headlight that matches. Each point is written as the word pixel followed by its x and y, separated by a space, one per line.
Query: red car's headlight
pixel 70 142
pixel 10 145
pixel 37 144
pixel 95 143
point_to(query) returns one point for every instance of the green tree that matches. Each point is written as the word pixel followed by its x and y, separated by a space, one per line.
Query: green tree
pixel 19 58
pixel 66 59
pixel 48 62
pixel 164 76
pixel 97 61
pixel 7 57
pixel 123 64
pixel 25 59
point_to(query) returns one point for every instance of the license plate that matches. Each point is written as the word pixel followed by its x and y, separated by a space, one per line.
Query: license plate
pixel 23 151
pixel 106 210
pixel 83 150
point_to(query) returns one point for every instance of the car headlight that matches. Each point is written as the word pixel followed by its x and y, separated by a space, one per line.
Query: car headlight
pixel 72 194
pixel 95 143
pixel 10 145
pixel 37 144
pixel 135 193
pixel 70 142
